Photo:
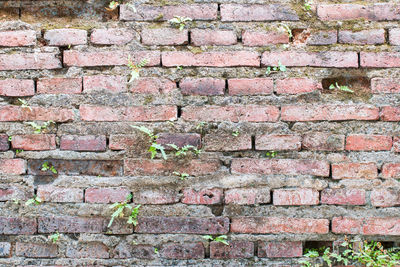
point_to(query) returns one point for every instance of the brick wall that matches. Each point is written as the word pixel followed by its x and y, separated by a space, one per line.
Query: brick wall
pixel 285 160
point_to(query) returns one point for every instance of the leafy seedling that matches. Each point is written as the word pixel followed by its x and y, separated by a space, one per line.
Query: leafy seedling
pixel 47 166
pixel 17 151
pixel 286 28
pixel 343 88
pixel 179 22
pixel 135 68
pixel 119 209
pixel 220 239
pixel 54 237
pixel 275 69
pixel 156 250
pixel 307 5
pixel 132 219
pixel 183 175
pixel 9 138
pixel 271 154
pixel 235 133
pixel 154 147
pixel 34 201
pixel 182 151
pixel 24 104
pixel 38 128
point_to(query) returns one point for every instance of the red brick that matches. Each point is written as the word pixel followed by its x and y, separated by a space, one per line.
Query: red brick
pixel 15 87
pixel 113 36
pixel 280 166
pixel 315 37
pixel 5 249
pixel 385 197
pixel 17 113
pixel 255 86
pixel 49 193
pixel 70 224
pixel 250 113
pixel 346 225
pixel 34 142
pixel 227 142
pixel 121 142
pixel 164 36
pixel 252 38
pixel 363 142
pixel 380 59
pixel 202 196
pixel 375 12
pixel 321 141
pixel 247 196
pixel 329 113
pixel 390 113
pixel 237 12
pixel 343 196
pixel 394 36
pixel 194 167
pixel 36 250
pixel 18 38
pixel 182 251
pixel 179 139
pixel 391 170
pixel 365 37
pixel 396 143
pixel 276 225
pixel 202 86
pixel 59 86
pixel 17 226
pixel 32 61
pixel 148 13
pixel 11 192
pixel 295 197
pixel 12 166
pixel 285 249
pixel 211 59
pixel 201 37
pixel 278 142
pixel 4 144
pixel 95 250
pixel 152 85
pixel 109 58
pixel 112 84
pixel 366 226
pixel 297 86
pixel 135 113
pixel 183 225
pixel 385 85
pixel 155 196
pixel 235 249
pixel 330 59
pixel 65 37
pixel 106 195
pixel 125 251
pixel 83 143
pixel 354 171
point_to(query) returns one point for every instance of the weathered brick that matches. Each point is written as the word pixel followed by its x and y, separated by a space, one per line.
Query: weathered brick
pixel 83 143
pixel 4 144
pixel 148 13
pixel 36 250
pixel 366 226
pixel 106 195
pixel 160 167
pixel 315 37
pixel 251 113
pixel 203 196
pixel 113 84
pixel 96 250
pixel 284 249
pixel 396 143
pixel 136 113
pixel 32 61
pixel 156 196
pixel 237 12
pixel 365 37
pixel 321 141
pixel 276 225
pixel 65 37
pixel 109 58
pixel 15 87
pixel 70 224
pixel 394 36
pixel 253 38
pixel 179 139
pixel 363 142
pixel 343 196
pixel 385 197
pixel 152 85
pixel 385 85
pixel 5 249
pixel 390 113
pixel 12 166
pixel 125 251
pixel 201 37
pixel 280 166
pixel 295 197
pixel 122 141
pixel 164 36
pixel 12 192
pixel 49 193
pixel 391 170
pixel 278 142
pixel 202 86
pixel 235 249
pixel 112 36
pixel 182 251
pixel 330 59
pixel 34 142
pixel 380 59
pixel 18 38
pixel 297 86
pixel 59 86
pixel 329 113
pixel 182 225
pixel 227 142
pixel 247 196
pixel 17 226
pixel 17 113
pixel 255 86
pixel 354 171
pixel 211 59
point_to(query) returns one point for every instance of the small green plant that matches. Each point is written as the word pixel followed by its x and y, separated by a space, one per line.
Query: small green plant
pixel 35 201
pixel 24 104
pixel 220 239
pixel 182 151
pixel 119 211
pixel 114 4
pixel 179 68
pixel 343 88
pixel 179 22
pixel 38 128
pixel 156 250
pixel 271 154
pixel 275 69
pixel 54 237
pixel 17 151
pixel 285 27
pixel 135 68
pixel 307 5
pixel 9 138
pixel 154 147
pixel 47 166
pixel 235 133
pixel 132 219
pixel 182 175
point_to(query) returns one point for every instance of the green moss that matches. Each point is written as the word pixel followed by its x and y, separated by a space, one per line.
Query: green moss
pixel 148 100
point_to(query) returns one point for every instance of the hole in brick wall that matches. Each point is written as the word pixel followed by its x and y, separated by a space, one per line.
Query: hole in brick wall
pixel 318 245
pixel 300 35
pixel 217 210
pixel 359 84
